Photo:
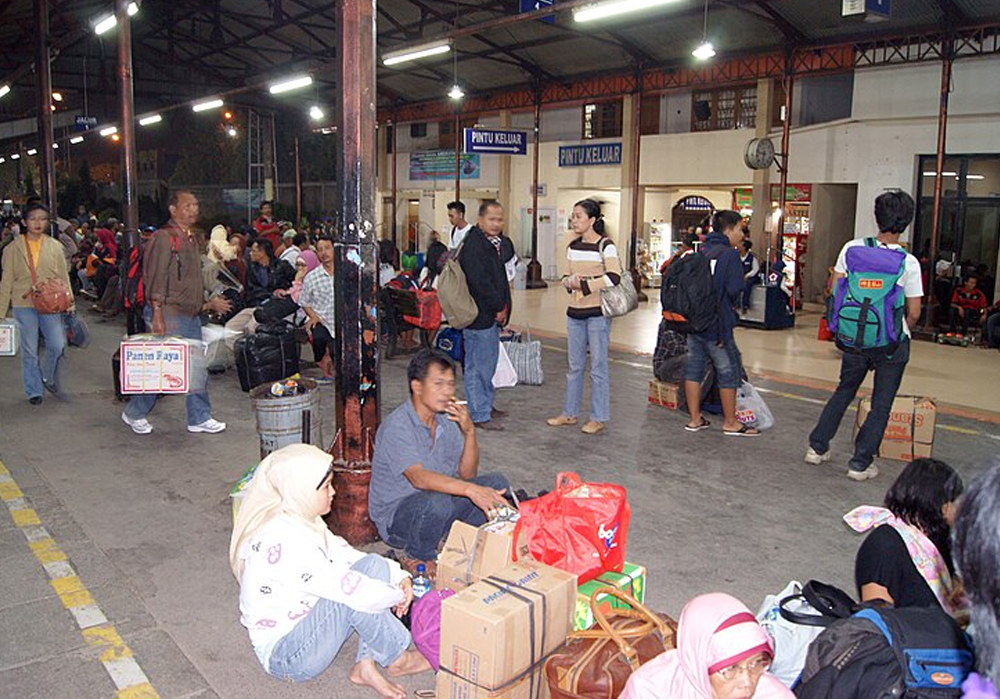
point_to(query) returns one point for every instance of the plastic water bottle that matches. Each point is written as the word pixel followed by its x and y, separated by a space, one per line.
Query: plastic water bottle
pixel 421 582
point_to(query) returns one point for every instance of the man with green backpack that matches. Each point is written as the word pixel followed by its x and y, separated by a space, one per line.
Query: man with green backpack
pixel 876 299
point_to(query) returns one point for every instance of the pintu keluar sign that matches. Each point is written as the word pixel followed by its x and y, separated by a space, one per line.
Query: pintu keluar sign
pixel 502 142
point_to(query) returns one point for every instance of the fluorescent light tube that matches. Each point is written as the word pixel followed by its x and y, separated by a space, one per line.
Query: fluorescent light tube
pixel 76 140
pixel 32 151
pixel 615 7
pixel 293 84
pixel 105 25
pixel 4 90
pixel 151 119
pixel 422 51
pixel 210 104
pixel 107 131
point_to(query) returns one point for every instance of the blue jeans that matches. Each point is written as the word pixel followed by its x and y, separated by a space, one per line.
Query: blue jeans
pixel 313 643
pixel 482 350
pixel 30 322
pixel 854 367
pixel 199 408
pixel 422 519
pixel 725 358
pixel 593 333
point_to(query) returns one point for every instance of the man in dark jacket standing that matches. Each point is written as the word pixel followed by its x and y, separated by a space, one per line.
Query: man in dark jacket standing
pixel 484 272
pixel 717 345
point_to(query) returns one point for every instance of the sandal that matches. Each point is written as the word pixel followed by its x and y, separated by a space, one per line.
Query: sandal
pixel 695 428
pixel 744 431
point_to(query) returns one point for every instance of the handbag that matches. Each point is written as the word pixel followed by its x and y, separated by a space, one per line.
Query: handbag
pixel 456 301
pixel 751 410
pixel 429 308
pixel 578 527
pixel 621 298
pixel 50 296
pixel 790 639
pixel 449 341
pixel 597 663
pixel 526 356
pixel 504 376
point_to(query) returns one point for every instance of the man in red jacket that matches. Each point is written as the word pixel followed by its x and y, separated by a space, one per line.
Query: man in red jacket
pixel 265 224
pixel 967 304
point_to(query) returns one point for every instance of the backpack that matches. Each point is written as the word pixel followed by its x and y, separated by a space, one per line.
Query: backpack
pixel 687 295
pixel 456 301
pixel 867 311
pixel 888 653
pixel 133 290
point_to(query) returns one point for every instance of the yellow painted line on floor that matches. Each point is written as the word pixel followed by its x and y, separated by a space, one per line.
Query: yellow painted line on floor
pixel 115 655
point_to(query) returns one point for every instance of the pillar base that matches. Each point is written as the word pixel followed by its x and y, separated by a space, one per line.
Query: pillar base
pixel 535 280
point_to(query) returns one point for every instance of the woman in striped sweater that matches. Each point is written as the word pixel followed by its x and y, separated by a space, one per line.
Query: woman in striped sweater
pixel 593 265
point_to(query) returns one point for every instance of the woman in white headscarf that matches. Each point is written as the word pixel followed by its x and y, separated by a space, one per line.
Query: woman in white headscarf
pixel 304 591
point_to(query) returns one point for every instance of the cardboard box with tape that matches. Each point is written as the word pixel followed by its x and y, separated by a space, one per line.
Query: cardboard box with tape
pixel 664 394
pixel 909 434
pixel 632 580
pixel 471 553
pixel 496 634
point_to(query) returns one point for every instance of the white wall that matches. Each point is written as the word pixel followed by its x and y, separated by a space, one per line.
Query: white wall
pixel 701 158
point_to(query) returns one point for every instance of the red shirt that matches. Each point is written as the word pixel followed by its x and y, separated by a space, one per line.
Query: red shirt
pixel 974 300
pixel 266 228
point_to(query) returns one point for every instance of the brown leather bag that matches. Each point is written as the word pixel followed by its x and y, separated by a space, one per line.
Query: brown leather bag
pixel 596 663
pixel 50 296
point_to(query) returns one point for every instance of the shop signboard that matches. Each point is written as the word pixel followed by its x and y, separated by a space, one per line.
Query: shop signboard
pixel 591 154
pixel 83 123
pixel 504 142
pixel 440 165
pixel 532 5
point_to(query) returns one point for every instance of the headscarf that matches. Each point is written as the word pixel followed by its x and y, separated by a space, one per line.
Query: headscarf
pixel 220 250
pixel 922 551
pixel 284 484
pixel 310 258
pixel 715 631
pixel 107 239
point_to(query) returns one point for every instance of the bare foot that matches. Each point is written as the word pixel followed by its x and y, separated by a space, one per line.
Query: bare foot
pixel 410 662
pixel 366 673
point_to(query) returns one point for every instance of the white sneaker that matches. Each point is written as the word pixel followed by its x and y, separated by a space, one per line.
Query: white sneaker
pixel 870 473
pixel 814 457
pixel 209 426
pixel 140 426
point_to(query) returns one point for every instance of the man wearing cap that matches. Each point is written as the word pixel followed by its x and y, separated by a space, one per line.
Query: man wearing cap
pixel 293 242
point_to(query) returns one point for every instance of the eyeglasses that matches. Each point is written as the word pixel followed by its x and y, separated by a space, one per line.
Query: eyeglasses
pixel 752 667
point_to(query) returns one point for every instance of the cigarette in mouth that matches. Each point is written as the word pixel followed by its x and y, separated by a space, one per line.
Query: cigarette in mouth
pixel 461 403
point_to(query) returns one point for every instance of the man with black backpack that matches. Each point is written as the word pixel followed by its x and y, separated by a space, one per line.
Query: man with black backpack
pixel 876 299
pixel 699 295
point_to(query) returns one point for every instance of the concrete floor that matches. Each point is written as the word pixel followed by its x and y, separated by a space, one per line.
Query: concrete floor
pixel 145 521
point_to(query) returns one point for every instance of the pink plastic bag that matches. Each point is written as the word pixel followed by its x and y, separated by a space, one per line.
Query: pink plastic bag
pixel 425 624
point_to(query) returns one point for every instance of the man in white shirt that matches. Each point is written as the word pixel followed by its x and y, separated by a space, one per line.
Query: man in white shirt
pixel 459 226
pixel 317 301
pixel 293 241
pixel 893 213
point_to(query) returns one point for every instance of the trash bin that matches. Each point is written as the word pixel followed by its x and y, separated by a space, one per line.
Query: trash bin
pixel 284 420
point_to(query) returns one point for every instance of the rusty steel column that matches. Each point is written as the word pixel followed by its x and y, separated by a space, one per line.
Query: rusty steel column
pixel 786 128
pixel 46 137
pixel 130 205
pixel 458 162
pixel 298 186
pixel 948 51
pixel 634 181
pixel 356 274
pixel 534 277
pixel 395 195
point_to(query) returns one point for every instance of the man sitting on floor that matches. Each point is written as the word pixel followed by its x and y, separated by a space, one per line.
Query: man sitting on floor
pixel 424 471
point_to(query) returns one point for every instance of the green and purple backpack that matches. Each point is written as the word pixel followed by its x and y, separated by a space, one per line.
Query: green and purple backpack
pixel 868 305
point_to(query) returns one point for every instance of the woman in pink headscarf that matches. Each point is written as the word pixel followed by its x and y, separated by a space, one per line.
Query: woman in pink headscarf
pixel 721 653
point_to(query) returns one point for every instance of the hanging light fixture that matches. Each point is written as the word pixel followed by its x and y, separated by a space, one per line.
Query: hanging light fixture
pixel 705 50
pixel 456 93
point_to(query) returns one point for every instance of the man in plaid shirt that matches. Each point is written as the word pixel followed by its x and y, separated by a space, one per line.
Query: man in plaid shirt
pixel 316 301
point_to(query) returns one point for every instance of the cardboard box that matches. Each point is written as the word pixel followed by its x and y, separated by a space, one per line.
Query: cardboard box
pixel 155 367
pixel 631 580
pixel 471 553
pixel 664 394
pixel 496 633
pixel 909 434
pixel 8 339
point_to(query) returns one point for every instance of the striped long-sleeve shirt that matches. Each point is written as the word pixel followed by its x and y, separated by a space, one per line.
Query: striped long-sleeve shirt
pixel 598 266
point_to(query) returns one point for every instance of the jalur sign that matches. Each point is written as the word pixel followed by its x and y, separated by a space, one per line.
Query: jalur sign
pixel 496 142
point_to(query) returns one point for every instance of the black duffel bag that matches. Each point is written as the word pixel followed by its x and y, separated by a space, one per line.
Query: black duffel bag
pixel 275 309
pixel 269 355
pixel 236 304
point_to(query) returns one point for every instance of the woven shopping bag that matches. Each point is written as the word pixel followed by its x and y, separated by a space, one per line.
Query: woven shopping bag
pixel 526 356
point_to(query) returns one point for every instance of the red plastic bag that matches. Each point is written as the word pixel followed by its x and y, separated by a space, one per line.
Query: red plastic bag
pixel 824 333
pixel 579 527
pixel 430 311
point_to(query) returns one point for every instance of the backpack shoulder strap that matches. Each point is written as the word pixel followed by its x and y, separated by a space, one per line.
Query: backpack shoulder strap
pixel 871 242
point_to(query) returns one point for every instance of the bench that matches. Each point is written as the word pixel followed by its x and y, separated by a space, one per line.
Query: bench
pixel 396 303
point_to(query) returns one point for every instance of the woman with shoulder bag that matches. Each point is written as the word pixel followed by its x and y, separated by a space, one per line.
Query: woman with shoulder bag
pixel 36 284
pixel 593 265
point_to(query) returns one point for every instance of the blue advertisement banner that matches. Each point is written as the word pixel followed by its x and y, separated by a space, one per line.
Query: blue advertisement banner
pixel 440 165
pixel 496 141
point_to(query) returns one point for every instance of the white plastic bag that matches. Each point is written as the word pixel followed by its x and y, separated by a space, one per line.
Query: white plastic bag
pixel 791 640
pixel 504 376
pixel 751 410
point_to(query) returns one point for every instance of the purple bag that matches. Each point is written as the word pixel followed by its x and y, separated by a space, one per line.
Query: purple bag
pixel 425 625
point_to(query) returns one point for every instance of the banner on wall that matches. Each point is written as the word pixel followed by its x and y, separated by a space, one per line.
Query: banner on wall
pixel 440 165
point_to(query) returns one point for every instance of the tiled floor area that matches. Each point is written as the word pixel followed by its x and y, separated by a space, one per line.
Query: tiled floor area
pixel 962 377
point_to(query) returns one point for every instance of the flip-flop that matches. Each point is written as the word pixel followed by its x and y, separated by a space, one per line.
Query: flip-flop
pixel 695 428
pixel 742 432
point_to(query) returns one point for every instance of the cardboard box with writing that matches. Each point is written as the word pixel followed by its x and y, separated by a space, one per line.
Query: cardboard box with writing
pixel 632 580
pixel 471 553
pixel 909 434
pixel 664 394
pixel 496 633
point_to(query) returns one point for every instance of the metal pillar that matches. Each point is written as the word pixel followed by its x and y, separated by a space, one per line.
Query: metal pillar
pixel 255 161
pixel 458 161
pixel 395 195
pixel 634 181
pixel 948 51
pixel 298 185
pixel 786 127
pixel 130 206
pixel 47 159
pixel 356 272
pixel 534 279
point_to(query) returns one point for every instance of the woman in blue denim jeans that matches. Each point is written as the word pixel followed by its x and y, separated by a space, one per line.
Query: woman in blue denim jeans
pixel 304 591
pixel 593 266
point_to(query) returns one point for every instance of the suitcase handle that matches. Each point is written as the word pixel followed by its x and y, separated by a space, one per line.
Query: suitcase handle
pixel 646 622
